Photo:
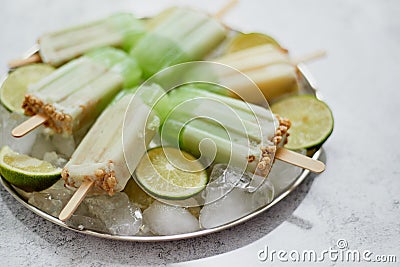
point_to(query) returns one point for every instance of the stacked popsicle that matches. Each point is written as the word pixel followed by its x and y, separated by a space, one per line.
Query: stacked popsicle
pixel 104 157
pixel 245 135
pixel 119 30
pixel 75 95
pixel 72 97
pixel 268 66
pixel 182 35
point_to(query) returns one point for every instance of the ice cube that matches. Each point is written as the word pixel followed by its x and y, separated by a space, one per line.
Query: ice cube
pixel 64 145
pixel 119 215
pixel 52 199
pixel 225 210
pixel 163 219
pixel 9 121
pixel 115 215
pixel 83 222
pixel 145 231
pixel 222 181
pixel 234 196
pixel 283 175
pixel 82 219
pixel 46 203
pixel 54 159
pixel 261 195
pixel 46 141
pixel 41 146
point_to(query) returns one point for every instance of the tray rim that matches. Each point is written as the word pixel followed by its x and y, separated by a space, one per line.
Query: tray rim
pixel 312 88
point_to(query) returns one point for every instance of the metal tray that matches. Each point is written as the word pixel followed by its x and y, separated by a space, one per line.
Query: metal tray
pixel 308 86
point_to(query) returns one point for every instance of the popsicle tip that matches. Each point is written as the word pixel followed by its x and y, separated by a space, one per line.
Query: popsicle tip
pixel 319 167
pixel 17 133
pixel 64 216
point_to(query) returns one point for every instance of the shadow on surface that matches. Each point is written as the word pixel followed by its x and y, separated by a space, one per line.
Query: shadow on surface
pixel 82 248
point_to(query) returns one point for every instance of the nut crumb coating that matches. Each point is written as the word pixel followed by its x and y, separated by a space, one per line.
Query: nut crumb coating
pixel 56 120
pixel 268 152
pixel 103 178
pixel 281 131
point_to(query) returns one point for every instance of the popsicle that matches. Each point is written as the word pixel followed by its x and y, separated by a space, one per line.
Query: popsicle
pixel 244 135
pixel 71 98
pixel 120 30
pixel 270 68
pixel 109 153
pixel 183 35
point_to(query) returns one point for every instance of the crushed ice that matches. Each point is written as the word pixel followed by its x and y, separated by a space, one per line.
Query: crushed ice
pixel 234 195
pixel 231 194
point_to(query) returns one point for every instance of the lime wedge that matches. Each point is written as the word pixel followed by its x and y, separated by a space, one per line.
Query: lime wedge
pixel 312 120
pixel 14 88
pixel 247 40
pixel 159 176
pixel 27 173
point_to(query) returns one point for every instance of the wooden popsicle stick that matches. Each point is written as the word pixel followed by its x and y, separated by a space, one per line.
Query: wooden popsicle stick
pixel 75 200
pixel 309 57
pixel 29 125
pixel 225 9
pixel 299 160
pixel 35 58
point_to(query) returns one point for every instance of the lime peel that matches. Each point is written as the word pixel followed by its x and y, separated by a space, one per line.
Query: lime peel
pixel 312 120
pixel 16 84
pixel 27 173
pixel 248 40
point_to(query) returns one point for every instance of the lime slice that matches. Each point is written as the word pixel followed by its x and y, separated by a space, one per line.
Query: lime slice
pixel 159 176
pixel 312 120
pixel 27 173
pixel 247 40
pixel 14 88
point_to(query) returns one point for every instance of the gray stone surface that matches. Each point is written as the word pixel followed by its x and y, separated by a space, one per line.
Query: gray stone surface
pixel 357 198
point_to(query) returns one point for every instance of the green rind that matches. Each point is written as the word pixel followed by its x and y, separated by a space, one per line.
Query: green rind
pixel 157 195
pixel 27 181
pixel 7 107
pixel 232 47
pixel 23 81
pixel 315 143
